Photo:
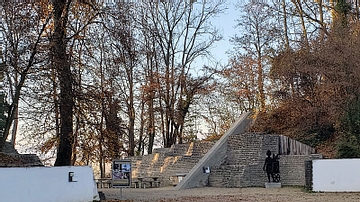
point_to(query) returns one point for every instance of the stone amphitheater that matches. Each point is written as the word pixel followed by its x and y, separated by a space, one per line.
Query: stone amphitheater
pixel 241 167
pixel 236 160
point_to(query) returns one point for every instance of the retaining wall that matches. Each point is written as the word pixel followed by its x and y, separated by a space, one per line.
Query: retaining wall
pixel 336 175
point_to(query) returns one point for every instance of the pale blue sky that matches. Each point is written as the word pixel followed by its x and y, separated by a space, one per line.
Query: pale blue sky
pixel 226 23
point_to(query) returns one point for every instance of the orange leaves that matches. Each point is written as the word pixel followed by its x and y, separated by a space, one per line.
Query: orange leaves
pixel 49 145
pixel 314 86
pixel 213 137
pixel 150 87
pixel 242 92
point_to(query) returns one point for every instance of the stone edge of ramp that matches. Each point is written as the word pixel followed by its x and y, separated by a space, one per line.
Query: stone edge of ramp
pixel 196 177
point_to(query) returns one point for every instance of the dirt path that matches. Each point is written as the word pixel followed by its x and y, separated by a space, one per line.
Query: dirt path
pixel 169 194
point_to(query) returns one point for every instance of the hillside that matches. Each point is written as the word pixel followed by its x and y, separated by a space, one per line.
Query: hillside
pixel 320 136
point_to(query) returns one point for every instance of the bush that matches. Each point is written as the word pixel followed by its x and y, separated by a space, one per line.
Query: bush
pixel 348 149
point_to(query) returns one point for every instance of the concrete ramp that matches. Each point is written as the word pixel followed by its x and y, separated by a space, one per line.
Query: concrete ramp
pixel 197 177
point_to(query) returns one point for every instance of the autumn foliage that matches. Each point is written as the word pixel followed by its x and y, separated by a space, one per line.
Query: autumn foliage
pixel 318 94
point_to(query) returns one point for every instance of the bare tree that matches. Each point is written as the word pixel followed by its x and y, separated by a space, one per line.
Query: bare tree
pixel 183 34
pixel 23 42
pixel 256 42
pixel 125 60
pixel 61 62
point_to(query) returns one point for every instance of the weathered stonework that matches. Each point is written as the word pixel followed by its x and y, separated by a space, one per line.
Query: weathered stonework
pixel 244 164
pixel 309 175
pixel 11 158
pixel 165 163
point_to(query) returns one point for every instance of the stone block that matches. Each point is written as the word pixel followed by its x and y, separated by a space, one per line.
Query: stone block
pixel 272 184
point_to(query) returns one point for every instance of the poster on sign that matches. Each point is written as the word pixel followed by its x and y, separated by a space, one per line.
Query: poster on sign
pixel 121 173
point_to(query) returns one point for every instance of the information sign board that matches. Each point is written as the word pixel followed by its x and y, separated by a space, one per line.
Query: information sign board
pixel 121 173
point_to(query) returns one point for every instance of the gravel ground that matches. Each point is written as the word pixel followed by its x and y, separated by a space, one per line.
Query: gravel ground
pixel 206 194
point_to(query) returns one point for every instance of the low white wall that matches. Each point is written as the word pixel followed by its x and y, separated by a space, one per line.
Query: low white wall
pixel 336 175
pixel 44 184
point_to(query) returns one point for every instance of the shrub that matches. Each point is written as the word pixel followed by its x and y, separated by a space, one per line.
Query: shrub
pixel 348 149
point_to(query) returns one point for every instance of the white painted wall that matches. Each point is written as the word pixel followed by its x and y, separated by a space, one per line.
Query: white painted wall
pixel 336 175
pixel 45 184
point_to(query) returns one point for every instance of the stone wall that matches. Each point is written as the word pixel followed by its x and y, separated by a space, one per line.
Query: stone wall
pixel 165 163
pixel 292 169
pixel 226 176
pixel 308 175
pixel 243 149
pixel 292 173
pixel 244 164
pixel 254 174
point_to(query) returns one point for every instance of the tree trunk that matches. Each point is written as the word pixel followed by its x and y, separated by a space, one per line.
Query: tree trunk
pixel 151 126
pixel 321 18
pixel 303 24
pixel 61 63
pixel 141 130
pixel 131 111
pixel 357 10
pixel 260 71
pixel 287 44
pixel 15 127
pixel 131 129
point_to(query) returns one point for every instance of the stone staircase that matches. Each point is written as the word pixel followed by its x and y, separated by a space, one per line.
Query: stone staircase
pixel 244 154
pixel 165 163
pixel 243 166
pixel 240 166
